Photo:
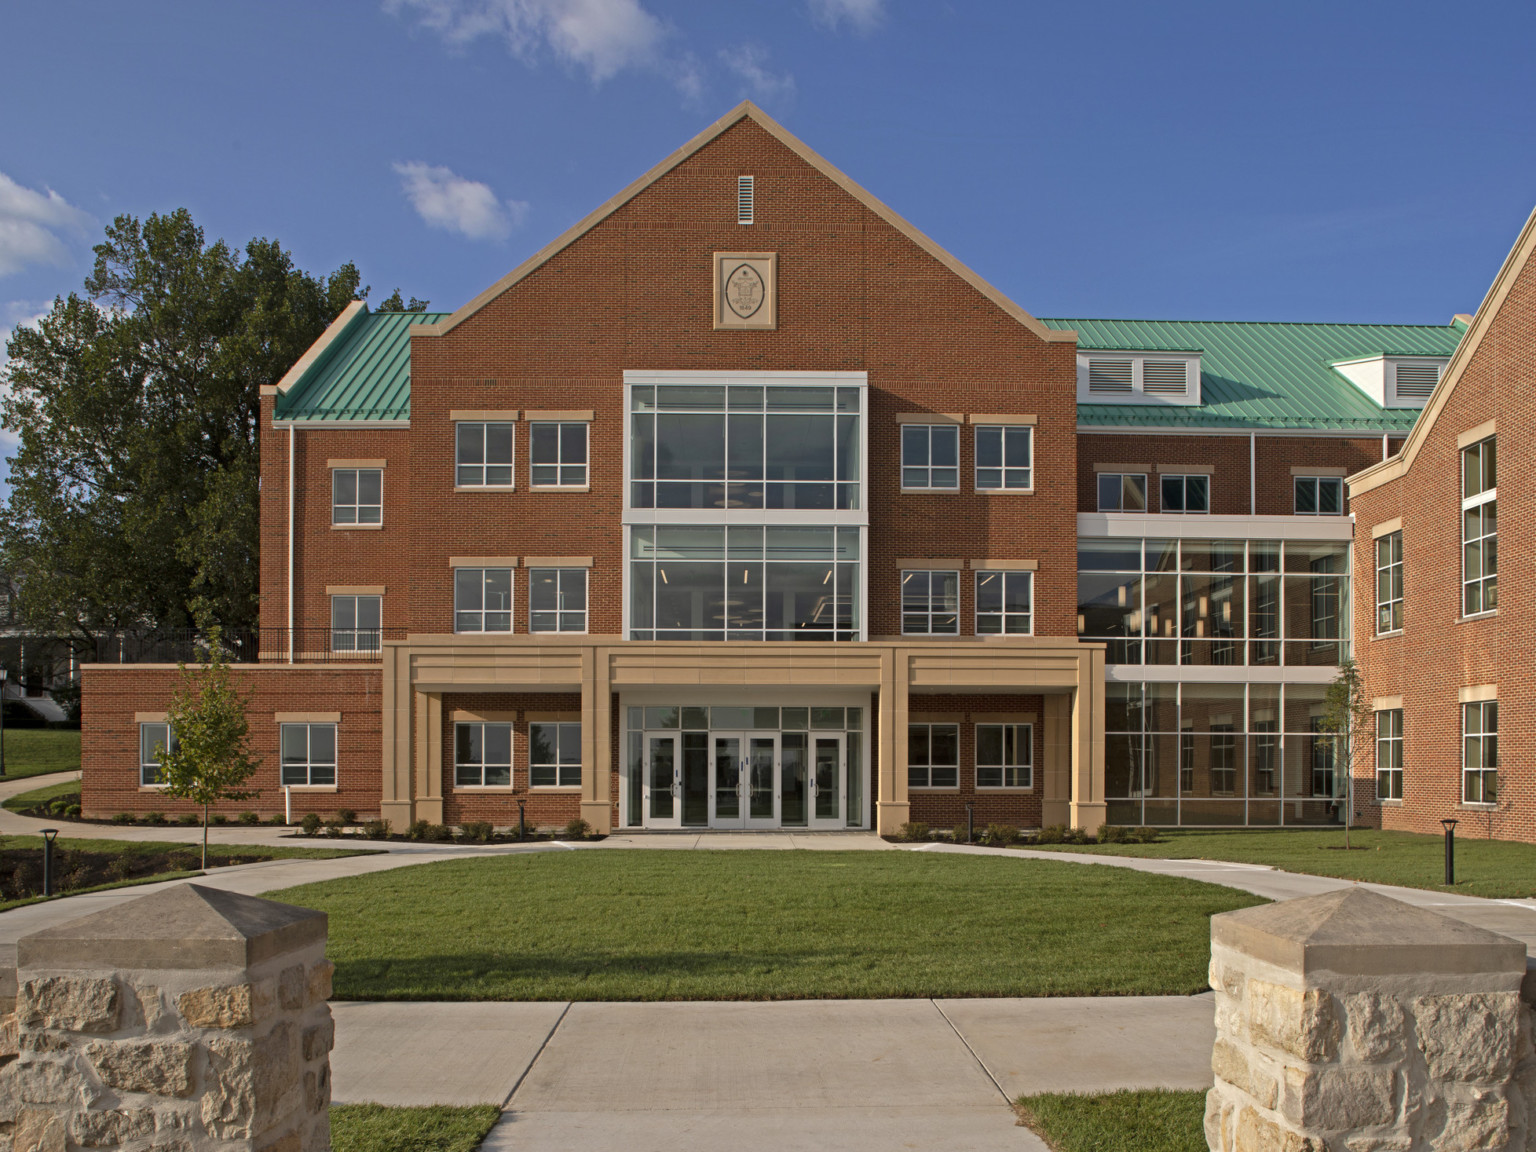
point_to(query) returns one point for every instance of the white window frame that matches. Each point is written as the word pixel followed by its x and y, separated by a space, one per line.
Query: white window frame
pixel 310 763
pixel 1484 740
pixel 929 468
pixel 1389 755
pixel 1005 433
pixel 565 778
pixel 1317 483
pixel 484 762
pixel 1023 740
pixel 1392 573
pixel 359 639
pixel 356 509
pixel 562 482
pixel 1183 478
pixel 146 752
pixel 560 611
pixel 511 466
pixel 1099 479
pixel 482 611
pixel 929 612
pixel 1002 615
pixel 1478 501
pixel 930 766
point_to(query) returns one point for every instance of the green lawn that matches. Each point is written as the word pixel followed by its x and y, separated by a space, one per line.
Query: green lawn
pixel 1493 868
pixel 596 925
pixel 38 751
pixel 1147 1121
pixel 44 794
pixel 439 1128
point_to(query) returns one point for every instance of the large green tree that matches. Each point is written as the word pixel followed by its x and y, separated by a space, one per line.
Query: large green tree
pixel 133 499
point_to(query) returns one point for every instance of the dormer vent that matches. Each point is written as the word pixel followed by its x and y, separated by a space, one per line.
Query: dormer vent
pixel 743 199
pixel 1417 381
pixel 1109 376
pixel 1114 377
pixel 1164 377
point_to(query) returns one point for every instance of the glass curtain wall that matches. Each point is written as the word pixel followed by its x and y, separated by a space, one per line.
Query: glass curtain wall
pixel 1215 602
pixel 1219 754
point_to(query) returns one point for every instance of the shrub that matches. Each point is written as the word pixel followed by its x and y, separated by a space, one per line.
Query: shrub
pixel 1114 834
pixel 73 810
pixel 576 829
pixel 188 820
pixel 1076 836
pixel 417 830
pixel 376 829
pixel 1051 834
pixel 154 817
pixel 478 831
pixel 120 868
pixel 277 820
pixel 123 818
pixel 958 834
pixel 334 826
pixel 311 823
pixel 1003 834
pixel 914 830
pixel 219 818
pixel 249 818
pixel 438 834
pixel 347 816
pixel 1144 835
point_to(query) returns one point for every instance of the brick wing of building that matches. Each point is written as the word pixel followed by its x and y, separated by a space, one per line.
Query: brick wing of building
pixel 742 505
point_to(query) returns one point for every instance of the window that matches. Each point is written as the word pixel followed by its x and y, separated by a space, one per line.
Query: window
pixel 153 738
pixel 1186 493
pixel 1479 528
pixel 1004 457
pixel 356 622
pixel 1327 592
pixel 1223 760
pixel 558 455
pixel 1480 752
pixel 483 455
pixel 1389 754
pixel 309 754
pixel 933 755
pixel 482 599
pixel 1389 582
pixel 1322 758
pixel 1005 756
pixel 1319 496
pixel 554 755
pixel 1004 603
pixel 930 456
pixel 557 600
pixel 357 496
pixel 930 603
pixel 482 755
pixel 1122 492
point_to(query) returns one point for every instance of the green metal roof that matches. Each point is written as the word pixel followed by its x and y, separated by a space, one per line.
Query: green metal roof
pixel 1259 375
pixel 364 374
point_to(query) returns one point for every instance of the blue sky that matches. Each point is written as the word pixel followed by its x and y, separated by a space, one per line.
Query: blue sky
pixel 1341 161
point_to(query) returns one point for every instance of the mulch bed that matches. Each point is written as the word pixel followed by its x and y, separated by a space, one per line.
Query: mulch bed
pixel 21 869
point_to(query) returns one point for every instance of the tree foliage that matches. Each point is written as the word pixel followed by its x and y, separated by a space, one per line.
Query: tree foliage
pixel 1348 718
pixel 393 303
pixel 133 498
pixel 211 757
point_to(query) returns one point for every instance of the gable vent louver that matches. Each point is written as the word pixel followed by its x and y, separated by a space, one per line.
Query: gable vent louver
pixel 1111 376
pixel 1164 377
pixel 743 199
pixel 1417 381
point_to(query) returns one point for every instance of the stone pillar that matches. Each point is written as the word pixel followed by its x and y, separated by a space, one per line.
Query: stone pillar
pixel 1088 806
pixel 596 732
pixel 1056 773
pixel 1351 1021
pixel 192 1019
pixel 893 808
pixel 429 758
pixel 397 700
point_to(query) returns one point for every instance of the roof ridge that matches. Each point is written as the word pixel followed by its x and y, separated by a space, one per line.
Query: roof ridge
pixel 1270 323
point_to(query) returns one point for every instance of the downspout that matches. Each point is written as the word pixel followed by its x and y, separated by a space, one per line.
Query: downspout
pixel 292 444
pixel 1384 445
pixel 1253 474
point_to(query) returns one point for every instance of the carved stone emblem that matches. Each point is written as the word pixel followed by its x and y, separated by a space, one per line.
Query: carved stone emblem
pixel 744 291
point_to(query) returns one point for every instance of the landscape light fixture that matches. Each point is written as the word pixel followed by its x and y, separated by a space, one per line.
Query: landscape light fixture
pixel 3 675
pixel 49 836
pixel 1450 851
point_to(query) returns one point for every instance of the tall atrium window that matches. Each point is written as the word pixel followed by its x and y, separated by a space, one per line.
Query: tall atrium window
pixel 1389 582
pixel 1479 528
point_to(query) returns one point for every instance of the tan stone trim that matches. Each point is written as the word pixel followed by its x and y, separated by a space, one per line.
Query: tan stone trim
pixel 1387 527
pixel 920 565
pixel 355 463
pixel 317 349
pixel 1472 435
pixel 1131 468
pixel 1005 565
pixel 742 111
pixel 1000 418
pixel 497 414
pixel 306 717
pixel 354 589
pixel 557 561
pixel 482 561
pixel 482 716
pixel 930 417
pixel 574 416
pixel 1472 339
pixel 1187 469
pixel 149 717
pixel 935 717
pixel 554 717
pixel 1386 703
pixel 358 527
pixel 766 266
pixel 1004 718
pixel 1472 693
pixel 1306 470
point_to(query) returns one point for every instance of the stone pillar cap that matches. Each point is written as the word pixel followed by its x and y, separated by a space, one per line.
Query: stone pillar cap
pixel 184 926
pixel 1357 932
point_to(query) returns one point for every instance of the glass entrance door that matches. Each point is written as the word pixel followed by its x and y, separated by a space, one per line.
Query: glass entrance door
pixel 725 783
pixel 662 785
pixel 742 793
pixel 794 780
pixel 693 780
pixel 761 766
pixel 826 781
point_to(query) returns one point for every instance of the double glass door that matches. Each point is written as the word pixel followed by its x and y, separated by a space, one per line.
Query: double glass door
pixel 744 780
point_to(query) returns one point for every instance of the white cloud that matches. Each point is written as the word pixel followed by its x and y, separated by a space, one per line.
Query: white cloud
pixel 30 223
pixel 604 37
pixel 860 15
pixel 748 64
pixel 449 201
pixel 13 315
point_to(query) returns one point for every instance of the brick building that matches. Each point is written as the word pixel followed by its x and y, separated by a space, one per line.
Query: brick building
pixel 744 505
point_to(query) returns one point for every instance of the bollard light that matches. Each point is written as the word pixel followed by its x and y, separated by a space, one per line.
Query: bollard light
pixel 49 836
pixel 1450 851
pixel 970 822
pixel 3 675
pixel 521 834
